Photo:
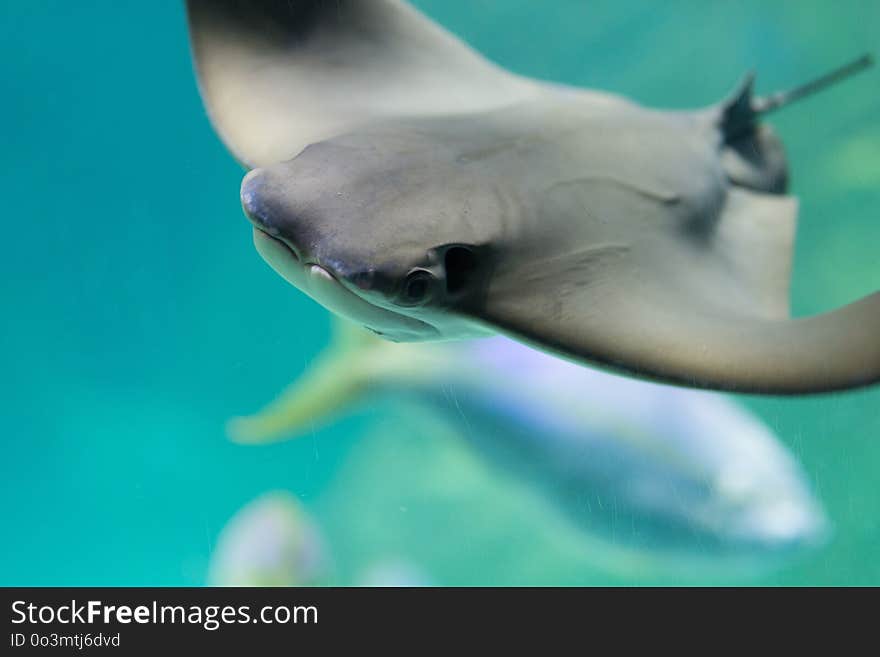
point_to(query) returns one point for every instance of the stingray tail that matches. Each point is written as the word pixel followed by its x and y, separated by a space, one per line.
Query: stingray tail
pixel 741 111
pixel 336 380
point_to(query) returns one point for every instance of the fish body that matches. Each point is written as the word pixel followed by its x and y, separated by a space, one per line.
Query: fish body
pixel 675 473
pixel 270 542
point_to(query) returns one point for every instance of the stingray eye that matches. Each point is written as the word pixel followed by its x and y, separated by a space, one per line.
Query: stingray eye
pixel 417 287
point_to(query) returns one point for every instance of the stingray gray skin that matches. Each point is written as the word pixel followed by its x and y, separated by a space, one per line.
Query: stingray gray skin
pixel 406 183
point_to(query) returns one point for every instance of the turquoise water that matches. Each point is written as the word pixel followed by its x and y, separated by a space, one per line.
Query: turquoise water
pixel 138 318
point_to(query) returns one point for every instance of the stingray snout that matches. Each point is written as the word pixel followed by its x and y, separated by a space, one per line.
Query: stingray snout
pixel 263 203
pixel 255 202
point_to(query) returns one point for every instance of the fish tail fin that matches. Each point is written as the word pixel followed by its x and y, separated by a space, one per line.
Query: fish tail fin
pixel 740 112
pixel 335 380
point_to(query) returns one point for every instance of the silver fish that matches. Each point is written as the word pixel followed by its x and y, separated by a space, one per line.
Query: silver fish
pixel 272 541
pixel 689 475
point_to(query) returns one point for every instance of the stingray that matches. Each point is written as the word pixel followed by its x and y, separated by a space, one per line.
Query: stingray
pixel 408 184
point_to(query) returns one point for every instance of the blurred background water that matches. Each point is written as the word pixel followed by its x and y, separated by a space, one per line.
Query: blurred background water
pixel 137 317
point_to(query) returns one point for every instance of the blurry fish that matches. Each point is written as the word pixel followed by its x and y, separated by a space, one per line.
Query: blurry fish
pixel 273 542
pixel 393 573
pixel 270 542
pixel 675 472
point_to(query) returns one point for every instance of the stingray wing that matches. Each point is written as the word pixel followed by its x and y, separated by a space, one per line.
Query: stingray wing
pixel 668 314
pixel 278 75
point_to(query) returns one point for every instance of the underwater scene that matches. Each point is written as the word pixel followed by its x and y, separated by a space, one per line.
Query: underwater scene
pixel 177 414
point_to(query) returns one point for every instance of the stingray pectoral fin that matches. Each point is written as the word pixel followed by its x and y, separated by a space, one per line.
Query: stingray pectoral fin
pixel 277 75
pixel 707 310
pixel 651 335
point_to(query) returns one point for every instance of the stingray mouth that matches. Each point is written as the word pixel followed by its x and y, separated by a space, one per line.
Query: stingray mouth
pixel 327 289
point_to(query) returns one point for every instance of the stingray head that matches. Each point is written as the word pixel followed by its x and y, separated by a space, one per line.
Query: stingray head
pixel 377 229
